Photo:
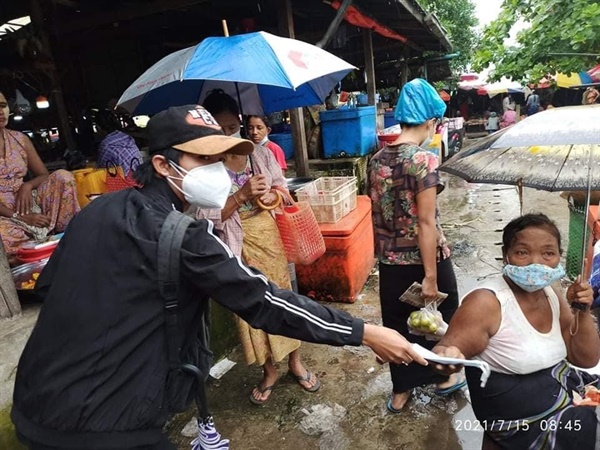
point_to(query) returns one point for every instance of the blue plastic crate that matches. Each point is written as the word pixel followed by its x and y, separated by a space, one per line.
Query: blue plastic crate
pixel 348 132
pixel 389 120
pixel 284 140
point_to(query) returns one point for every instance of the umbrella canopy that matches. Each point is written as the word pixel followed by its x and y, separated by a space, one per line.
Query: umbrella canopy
pixel 504 86
pixel 579 78
pixel 272 74
pixel 551 150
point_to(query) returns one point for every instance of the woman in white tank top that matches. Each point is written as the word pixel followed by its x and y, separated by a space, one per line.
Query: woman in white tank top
pixel 530 336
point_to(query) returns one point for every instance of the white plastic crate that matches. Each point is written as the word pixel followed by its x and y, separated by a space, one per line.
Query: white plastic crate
pixel 330 198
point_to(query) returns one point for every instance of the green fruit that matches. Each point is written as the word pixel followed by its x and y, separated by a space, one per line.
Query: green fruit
pixel 415 323
pixel 433 328
pixel 426 322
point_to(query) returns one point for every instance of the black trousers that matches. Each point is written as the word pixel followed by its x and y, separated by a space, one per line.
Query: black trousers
pixel 393 281
pixel 164 444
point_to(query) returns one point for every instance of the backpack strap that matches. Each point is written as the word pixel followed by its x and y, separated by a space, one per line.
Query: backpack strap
pixel 169 253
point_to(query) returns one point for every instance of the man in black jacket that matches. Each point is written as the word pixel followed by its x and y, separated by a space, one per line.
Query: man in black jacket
pixel 92 375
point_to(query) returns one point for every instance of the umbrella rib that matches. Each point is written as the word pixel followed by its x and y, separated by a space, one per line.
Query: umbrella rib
pixel 562 167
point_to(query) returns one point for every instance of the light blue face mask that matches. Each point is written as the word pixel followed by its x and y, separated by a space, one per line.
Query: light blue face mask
pixel 533 277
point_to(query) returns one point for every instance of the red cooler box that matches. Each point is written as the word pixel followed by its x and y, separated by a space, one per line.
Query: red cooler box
pixel 340 274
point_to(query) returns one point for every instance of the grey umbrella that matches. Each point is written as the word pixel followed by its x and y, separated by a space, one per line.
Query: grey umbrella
pixel 554 150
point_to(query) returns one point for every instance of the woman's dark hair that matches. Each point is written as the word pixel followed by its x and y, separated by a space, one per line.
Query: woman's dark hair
pixel 265 119
pixel 145 173
pixel 218 101
pixel 107 120
pixel 538 220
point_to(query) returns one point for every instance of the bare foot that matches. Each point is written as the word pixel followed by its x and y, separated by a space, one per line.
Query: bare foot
pixel 399 400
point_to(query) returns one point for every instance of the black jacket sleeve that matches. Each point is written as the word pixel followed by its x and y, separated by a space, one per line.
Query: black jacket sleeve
pixel 212 269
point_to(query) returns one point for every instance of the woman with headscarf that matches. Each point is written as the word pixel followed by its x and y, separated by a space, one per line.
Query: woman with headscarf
pixel 409 243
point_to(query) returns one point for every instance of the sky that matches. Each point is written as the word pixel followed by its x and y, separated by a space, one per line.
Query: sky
pixel 486 10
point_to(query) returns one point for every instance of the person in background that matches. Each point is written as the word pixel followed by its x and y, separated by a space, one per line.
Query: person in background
pixel 116 147
pixel 95 370
pixel 533 103
pixel 492 123
pixel 252 234
pixel 508 118
pixel 32 209
pixel 530 334
pixel 508 103
pixel 258 132
pixel 591 96
pixel 409 243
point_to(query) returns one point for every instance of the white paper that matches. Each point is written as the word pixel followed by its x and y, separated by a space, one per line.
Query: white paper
pixel 430 356
pixel 221 368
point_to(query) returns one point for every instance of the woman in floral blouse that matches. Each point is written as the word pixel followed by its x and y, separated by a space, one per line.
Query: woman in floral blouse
pixel 409 243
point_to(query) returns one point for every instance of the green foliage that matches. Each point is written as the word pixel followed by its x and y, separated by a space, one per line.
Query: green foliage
pixel 458 18
pixel 556 26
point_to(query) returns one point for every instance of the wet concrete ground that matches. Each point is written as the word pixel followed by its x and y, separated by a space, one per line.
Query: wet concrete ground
pixel 348 412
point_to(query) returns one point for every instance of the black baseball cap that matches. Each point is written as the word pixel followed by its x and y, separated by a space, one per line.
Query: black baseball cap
pixel 192 129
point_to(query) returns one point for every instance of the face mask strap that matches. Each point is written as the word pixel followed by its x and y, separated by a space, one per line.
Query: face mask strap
pixel 180 170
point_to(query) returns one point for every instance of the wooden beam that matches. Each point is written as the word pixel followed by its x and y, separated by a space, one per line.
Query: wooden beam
pixel 70 3
pixel 286 28
pixel 369 65
pixel 42 26
pixel 126 13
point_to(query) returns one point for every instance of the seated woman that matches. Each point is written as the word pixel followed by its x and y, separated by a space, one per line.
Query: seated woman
pixel 526 331
pixel 34 208
pixel 252 234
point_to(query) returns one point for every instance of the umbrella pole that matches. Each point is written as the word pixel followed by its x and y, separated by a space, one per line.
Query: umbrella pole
pixel 239 99
pixel 587 207
pixel 520 189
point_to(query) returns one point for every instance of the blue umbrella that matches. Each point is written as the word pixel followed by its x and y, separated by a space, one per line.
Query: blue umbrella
pixel 267 73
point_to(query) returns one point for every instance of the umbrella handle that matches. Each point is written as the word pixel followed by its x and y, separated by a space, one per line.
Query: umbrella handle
pixel 225 29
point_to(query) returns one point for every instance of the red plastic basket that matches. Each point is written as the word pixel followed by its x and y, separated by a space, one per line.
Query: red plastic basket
pixel 300 233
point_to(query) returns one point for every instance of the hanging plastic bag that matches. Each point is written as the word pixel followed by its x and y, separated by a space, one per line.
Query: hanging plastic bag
pixel 428 322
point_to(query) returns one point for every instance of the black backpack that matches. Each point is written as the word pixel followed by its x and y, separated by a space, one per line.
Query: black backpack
pixel 189 360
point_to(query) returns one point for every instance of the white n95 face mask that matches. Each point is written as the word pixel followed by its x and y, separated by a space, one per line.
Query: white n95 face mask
pixel 204 186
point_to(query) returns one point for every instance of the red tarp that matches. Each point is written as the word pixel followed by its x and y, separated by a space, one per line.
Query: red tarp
pixel 355 17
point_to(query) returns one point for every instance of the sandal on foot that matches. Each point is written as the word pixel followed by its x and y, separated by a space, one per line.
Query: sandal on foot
pixel 307 378
pixel 262 391
pixel 391 408
pixel 449 390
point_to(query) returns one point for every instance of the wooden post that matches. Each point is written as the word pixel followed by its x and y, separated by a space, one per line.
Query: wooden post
pixel 286 27
pixel 369 65
pixel 56 97
pixel 9 301
pixel 405 54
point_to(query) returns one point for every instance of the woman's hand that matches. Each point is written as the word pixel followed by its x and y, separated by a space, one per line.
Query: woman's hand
pixel 24 199
pixel 35 220
pixel 448 352
pixel 255 186
pixel 429 289
pixel 269 198
pixel 580 292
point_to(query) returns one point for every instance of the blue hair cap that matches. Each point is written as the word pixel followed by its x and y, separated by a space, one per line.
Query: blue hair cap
pixel 419 102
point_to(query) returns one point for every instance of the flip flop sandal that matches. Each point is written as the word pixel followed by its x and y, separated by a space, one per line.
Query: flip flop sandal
pixel 449 390
pixel 262 391
pixel 391 409
pixel 307 378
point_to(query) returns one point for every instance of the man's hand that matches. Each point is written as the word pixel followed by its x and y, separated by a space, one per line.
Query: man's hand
pixel 390 346
pixel 24 199
pixel 35 220
pixel 449 352
pixel 254 187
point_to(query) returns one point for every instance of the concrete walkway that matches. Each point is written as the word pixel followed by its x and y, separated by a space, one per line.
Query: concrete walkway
pixel 348 412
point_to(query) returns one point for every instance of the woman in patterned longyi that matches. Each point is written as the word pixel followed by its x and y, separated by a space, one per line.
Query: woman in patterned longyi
pixel 44 204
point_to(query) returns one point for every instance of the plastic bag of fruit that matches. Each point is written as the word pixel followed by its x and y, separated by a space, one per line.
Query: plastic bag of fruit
pixel 427 322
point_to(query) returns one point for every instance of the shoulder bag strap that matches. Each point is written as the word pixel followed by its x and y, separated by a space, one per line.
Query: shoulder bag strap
pixel 169 250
